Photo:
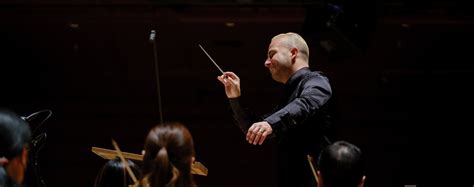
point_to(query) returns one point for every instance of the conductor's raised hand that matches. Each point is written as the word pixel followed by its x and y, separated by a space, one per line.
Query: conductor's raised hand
pixel 231 83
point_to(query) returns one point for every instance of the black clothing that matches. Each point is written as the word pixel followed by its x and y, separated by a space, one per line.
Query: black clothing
pixel 298 122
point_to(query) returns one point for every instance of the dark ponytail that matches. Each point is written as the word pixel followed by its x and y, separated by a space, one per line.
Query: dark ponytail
pixel 164 174
pixel 169 150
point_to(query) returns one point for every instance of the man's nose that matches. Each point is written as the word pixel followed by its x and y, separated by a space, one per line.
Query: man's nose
pixel 267 63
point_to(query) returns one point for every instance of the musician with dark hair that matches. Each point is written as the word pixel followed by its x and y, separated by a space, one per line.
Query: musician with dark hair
pixel 169 154
pixel 341 165
pixel 15 135
pixel 114 174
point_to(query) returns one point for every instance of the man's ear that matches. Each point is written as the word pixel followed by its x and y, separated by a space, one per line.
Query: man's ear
pixel 24 156
pixel 294 53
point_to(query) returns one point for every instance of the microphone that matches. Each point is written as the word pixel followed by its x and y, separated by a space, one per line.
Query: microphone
pixel 34 119
pixel 152 35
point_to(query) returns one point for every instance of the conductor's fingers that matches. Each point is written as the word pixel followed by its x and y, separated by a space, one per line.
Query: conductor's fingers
pixel 263 137
pixel 232 75
pixel 251 136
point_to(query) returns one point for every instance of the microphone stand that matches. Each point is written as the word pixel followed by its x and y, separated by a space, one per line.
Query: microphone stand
pixel 36 167
pixel 37 143
pixel 157 74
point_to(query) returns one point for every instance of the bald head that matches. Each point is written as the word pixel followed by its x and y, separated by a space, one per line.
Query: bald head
pixel 294 40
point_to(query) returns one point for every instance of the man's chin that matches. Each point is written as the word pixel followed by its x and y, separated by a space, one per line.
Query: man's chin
pixel 275 78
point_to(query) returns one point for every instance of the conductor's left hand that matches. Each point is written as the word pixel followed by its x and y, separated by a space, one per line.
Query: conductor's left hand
pixel 258 132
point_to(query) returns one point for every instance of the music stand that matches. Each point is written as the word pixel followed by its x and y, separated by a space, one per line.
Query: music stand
pixel 196 168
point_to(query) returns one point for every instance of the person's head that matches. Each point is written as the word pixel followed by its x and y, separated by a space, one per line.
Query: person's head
pixel 169 154
pixel 340 165
pixel 287 53
pixel 15 135
pixel 114 174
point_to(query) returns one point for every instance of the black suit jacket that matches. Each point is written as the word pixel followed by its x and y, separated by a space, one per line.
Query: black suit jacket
pixel 299 123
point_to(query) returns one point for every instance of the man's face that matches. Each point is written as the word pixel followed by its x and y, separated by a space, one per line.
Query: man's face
pixel 17 166
pixel 279 60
